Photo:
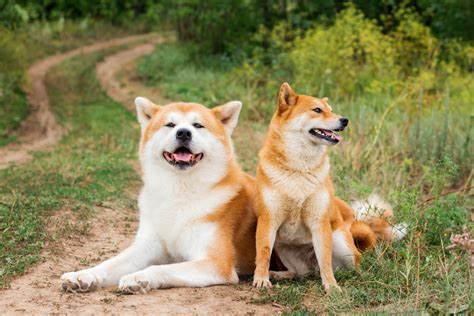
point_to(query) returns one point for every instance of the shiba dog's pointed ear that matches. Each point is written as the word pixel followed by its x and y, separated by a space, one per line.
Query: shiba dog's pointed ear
pixel 145 111
pixel 286 97
pixel 228 114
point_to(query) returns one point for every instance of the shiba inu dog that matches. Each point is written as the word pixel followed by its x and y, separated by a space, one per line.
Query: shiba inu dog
pixel 197 221
pixel 298 214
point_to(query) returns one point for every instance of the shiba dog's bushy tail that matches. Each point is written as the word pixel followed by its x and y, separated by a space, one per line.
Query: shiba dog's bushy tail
pixel 373 218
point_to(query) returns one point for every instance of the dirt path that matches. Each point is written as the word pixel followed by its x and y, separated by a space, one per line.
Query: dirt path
pixel 128 88
pixel 40 130
pixel 38 292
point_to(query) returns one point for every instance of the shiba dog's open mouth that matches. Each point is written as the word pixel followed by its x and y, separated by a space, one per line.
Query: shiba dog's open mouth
pixel 182 157
pixel 327 135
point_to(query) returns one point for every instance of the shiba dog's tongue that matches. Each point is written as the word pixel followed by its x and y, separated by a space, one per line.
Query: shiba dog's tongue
pixel 182 156
pixel 331 134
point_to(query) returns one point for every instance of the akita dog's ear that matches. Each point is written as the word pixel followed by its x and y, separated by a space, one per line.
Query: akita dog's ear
pixel 145 111
pixel 286 97
pixel 228 114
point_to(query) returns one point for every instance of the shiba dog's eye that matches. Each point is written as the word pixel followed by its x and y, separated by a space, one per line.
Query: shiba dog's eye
pixel 197 125
pixel 170 124
pixel 318 110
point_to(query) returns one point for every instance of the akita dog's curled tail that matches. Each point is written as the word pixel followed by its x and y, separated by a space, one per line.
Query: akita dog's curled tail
pixel 298 213
pixel 197 220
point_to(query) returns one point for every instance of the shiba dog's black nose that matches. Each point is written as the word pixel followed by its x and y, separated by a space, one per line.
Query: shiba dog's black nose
pixel 184 135
pixel 344 121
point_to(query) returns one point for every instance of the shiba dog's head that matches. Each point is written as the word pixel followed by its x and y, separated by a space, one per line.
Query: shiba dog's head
pixel 186 137
pixel 308 119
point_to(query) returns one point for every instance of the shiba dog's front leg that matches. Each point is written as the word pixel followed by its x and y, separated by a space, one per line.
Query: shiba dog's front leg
pixel 321 232
pixel 267 229
pixel 143 252
pixel 197 273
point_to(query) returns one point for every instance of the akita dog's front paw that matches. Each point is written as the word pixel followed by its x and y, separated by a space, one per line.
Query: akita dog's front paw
pixel 260 282
pixel 134 284
pixel 80 282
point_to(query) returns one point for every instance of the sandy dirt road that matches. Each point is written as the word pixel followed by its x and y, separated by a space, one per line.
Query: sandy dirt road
pixel 38 291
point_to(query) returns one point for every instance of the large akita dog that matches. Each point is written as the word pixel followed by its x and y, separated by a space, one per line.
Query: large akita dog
pixel 297 210
pixel 197 222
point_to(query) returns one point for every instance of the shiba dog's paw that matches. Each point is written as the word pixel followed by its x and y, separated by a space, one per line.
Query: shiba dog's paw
pixel 332 288
pixel 79 282
pixel 135 283
pixel 260 282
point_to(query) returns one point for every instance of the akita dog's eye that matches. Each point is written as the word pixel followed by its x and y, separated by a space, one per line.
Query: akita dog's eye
pixel 197 125
pixel 170 124
pixel 318 110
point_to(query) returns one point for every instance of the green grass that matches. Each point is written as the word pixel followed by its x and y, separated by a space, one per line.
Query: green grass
pixel 416 156
pixel 193 80
pixel 13 110
pixel 88 169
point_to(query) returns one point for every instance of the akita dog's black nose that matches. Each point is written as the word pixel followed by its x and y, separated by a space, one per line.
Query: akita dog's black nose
pixel 184 135
pixel 344 121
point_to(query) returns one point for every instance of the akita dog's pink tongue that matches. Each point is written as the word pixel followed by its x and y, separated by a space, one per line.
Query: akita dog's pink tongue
pixel 182 156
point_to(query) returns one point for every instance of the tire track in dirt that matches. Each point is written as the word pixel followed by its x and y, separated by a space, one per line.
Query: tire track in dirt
pixel 38 292
pixel 40 130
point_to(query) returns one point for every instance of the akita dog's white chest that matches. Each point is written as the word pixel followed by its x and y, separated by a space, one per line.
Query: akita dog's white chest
pixel 178 223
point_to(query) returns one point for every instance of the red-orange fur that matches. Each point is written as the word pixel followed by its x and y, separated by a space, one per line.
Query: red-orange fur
pixel 338 214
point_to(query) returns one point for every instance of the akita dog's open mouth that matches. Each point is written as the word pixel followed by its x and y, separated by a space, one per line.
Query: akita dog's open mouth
pixel 182 157
pixel 327 135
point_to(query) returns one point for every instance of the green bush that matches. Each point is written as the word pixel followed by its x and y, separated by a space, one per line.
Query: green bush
pixel 443 218
pixel 16 13
pixel 346 58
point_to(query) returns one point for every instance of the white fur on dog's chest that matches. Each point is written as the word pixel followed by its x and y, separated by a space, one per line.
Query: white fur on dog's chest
pixel 297 185
pixel 177 222
pixel 295 214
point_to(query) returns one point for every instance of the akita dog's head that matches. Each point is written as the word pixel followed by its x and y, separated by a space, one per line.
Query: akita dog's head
pixel 309 117
pixel 185 137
